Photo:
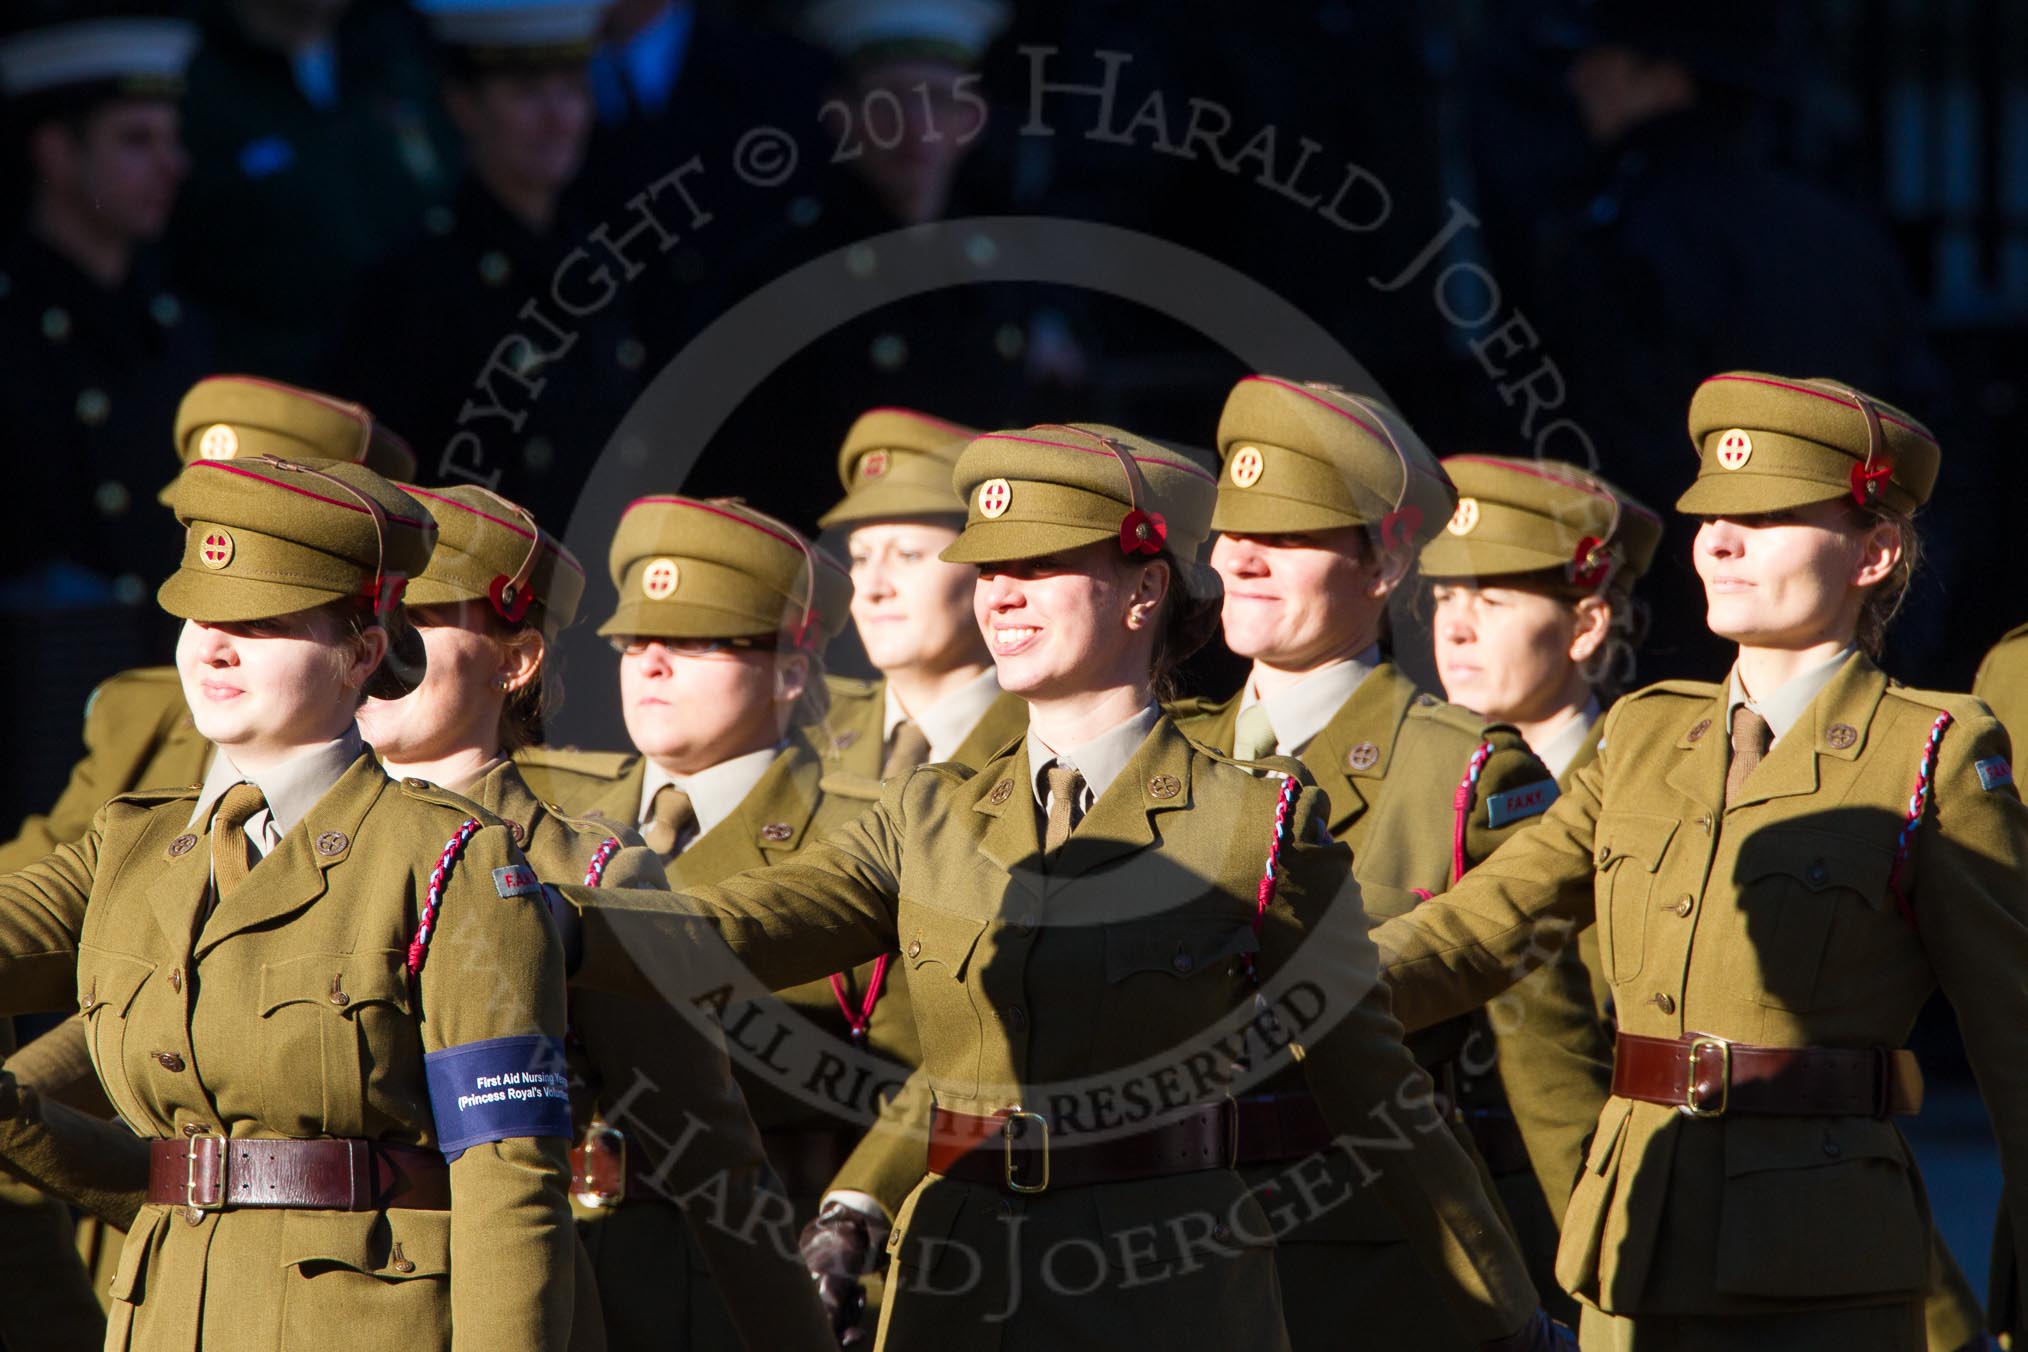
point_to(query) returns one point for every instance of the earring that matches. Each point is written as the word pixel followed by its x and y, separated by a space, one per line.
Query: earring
pixel 501 682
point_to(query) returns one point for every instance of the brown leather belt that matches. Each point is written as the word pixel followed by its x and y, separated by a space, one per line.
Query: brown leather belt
pixel 212 1173
pixel 1014 1151
pixel 1709 1077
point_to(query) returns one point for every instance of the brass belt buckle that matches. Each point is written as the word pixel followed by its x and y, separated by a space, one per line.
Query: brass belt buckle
pixel 1007 1134
pixel 190 1172
pixel 1690 1106
pixel 600 1138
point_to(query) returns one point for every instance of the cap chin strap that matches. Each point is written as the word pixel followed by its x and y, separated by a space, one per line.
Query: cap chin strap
pixel 1403 521
pixel 383 592
pixel 1593 563
pixel 1868 480
pixel 800 635
pixel 511 596
pixel 1142 531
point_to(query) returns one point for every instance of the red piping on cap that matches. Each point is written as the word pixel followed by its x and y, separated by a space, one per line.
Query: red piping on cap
pixel 232 467
pixel 1183 465
pixel 551 545
pixel 1820 394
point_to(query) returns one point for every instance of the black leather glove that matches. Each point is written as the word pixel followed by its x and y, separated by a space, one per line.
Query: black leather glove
pixel 1540 1334
pixel 837 1248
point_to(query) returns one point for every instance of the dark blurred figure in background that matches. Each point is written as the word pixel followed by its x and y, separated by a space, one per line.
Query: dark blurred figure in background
pixel 97 354
pixel 505 343
pixel 1686 253
pixel 317 148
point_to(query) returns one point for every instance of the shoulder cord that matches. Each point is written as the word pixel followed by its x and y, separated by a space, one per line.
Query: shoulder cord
pixel 418 947
pixel 595 871
pixel 858 1023
pixel 1918 804
pixel 1461 810
pixel 1271 874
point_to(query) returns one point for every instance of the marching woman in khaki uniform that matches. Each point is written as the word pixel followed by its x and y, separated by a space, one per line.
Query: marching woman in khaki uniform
pixel 722 618
pixel 1535 625
pixel 1324 499
pixel 1782 868
pixel 334 1001
pixel 1088 923
pixel 138 732
pixel 653 1094
pixel 937 698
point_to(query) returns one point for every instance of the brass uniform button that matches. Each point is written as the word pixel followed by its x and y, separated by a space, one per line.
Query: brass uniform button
pixel 176 979
pixel 1665 1002
pixel 169 1061
pixel 1683 904
pixel 915 948
pixel 1696 734
pixel 777 831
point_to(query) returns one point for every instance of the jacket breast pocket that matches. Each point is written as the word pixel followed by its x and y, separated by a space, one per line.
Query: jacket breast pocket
pixel 381 1276
pixel 1630 850
pixel 1815 905
pixel 1817 1208
pixel 939 947
pixel 107 983
pixel 337 1033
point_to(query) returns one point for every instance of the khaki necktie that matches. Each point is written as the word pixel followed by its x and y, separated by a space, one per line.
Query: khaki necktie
pixel 232 854
pixel 668 814
pixel 1751 737
pixel 908 748
pixel 1255 735
pixel 1066 787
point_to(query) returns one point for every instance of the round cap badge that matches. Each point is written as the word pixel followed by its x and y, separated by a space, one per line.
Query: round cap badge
pixel 1735 448
pixel 219 442
pixel 215 550
pixel 1247 466
pixel 1466 517
pixel 658 579
pixel 995 497
pixel 873 464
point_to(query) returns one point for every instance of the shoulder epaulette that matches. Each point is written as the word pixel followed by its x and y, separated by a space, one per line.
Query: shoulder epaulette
pixel 1956 703
pixel 844 784
pixel 592 764
pixel 851 687
pixel 1192 706
pixel 153 683
pixel 1267 767
pixel 1430 709
pixel 153 797
pixel 1697 690
pixel 425 792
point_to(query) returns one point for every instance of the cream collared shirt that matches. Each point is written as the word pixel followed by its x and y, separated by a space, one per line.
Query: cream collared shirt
pixel 715 794
pixel 291 788
pixel 1300 712
pixel 1560 748
pixel 1784 707
pixel 1099 760
pixel 949 721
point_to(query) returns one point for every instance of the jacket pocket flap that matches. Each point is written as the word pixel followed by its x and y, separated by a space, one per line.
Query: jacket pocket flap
pixel 1817 860
pixel 108 980
pixel 1758 1144
pixel 1634 835
pixel 940 941
pixel 399 1245
pixel 342 981
pixel 1180 946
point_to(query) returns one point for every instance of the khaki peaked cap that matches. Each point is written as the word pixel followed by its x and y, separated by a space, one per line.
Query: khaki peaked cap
pixel 1521 515
pixel 896 464
pixel 695 568
pixel 490 549
pixel 1769 443
pixel 1303 456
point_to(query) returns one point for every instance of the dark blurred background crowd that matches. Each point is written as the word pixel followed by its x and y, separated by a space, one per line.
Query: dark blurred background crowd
pixel 1535 224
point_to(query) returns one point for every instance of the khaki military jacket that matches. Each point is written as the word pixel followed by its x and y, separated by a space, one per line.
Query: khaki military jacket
pixel 850 737
pixel 138 734
pixel 234 1023
pixel 1392 761
pixel 2002 681
pixel 1094 990
pixel 788 1060
pixel 703 1274
pixel 1766 920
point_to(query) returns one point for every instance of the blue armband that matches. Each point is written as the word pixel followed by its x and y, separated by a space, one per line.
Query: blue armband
pixel 497 1089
